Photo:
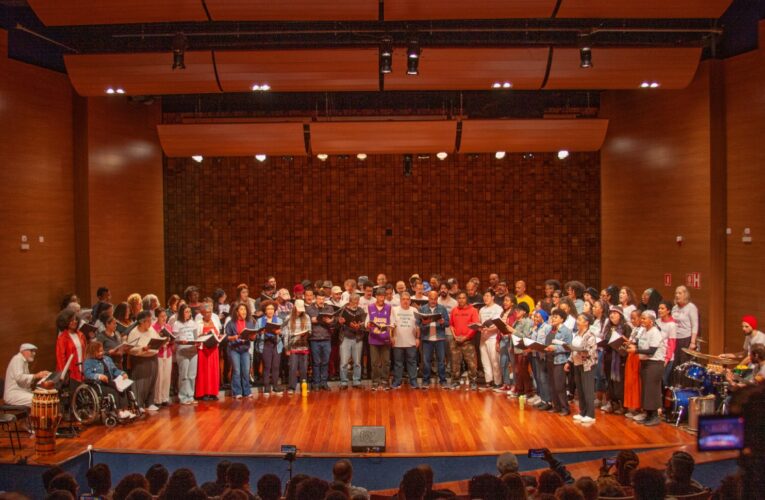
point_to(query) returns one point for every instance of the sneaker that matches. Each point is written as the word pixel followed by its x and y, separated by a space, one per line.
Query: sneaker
pixel 513 395
pixel 374 387
pixel 415 386
pixel 250 396
pixel 278 390
pixel 606 408
pixel 395 386
pixel 152 408
pixel 266 392
pixel 325 388
pixel 596 403
pixel 542 406
pixel 640 418
pixel 535 400
pixel 500 389
pixel 453 386
pixel 587 420
pixel 238 396
pixel 385 387
pixel 578 418
pixel 290 392
pixel 652 421
pixel 473 386
pixel 425 385
pixel 629 414
pixel 565 412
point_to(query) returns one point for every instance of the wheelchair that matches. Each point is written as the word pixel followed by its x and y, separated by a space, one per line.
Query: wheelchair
pixel 88 404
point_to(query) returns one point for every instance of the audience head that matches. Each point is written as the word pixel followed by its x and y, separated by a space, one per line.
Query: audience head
pixel 291 493
pixel 427 471
pixel 516 488
pixel 128 484
pixel 66 482
pixel 60 495
pixel 568 492
pixel 99 479
pixel 157 476
pixel 648 483
pixel 610 487
pixel 487 487
pixel 181 481
pixel 413 485
pixel 549 482
pixel 335 495
pixel 49 474
pixel 220 471
pixel 588 487
pixel 339 487
pixel 140 494
pixel 680 467
pixel 311 488
pixel 342 471
pixel 238 476
pixel 269 487
pixel 626 462
pixel 507 462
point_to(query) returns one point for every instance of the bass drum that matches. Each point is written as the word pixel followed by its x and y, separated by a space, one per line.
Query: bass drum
pixel 676 402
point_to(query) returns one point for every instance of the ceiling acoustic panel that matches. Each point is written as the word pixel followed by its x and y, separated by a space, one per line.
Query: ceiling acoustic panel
pixel 645 9
pixel 538 136
pixel 624 68
pixel 383 137
pixel 83 12
pixel 141 73
pixel 319 70
pixel 469 68
pixel 411 10
pixel 293 10
pixel 232 139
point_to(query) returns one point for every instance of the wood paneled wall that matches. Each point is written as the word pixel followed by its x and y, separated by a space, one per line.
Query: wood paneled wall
pixel 125 195
pixel 655 181
pixel 37 201
pixel 745 110
pixel 236 220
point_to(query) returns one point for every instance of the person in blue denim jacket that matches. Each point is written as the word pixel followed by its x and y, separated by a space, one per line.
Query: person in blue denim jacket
pixel 101 368
pixel 557 376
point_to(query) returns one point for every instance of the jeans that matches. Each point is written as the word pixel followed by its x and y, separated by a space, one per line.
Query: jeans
pixel 350 348
pixel 298 363
pixel 428 347
pixel 320 350
pixel 240 373
pixel 504 361
pixel 271 362
pixel 187 373
pixel 410 353
pixel 540 377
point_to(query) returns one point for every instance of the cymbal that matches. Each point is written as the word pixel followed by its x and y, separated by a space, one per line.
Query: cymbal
pixel 697 354
pixel 710 357
pixel 725 361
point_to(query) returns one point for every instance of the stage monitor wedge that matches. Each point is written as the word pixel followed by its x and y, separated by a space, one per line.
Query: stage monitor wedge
pixel 368 439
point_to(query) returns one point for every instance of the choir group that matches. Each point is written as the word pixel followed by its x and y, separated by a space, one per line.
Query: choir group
pixel 608 348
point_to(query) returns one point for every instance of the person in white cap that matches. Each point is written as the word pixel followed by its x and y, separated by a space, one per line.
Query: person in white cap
pixel 18 380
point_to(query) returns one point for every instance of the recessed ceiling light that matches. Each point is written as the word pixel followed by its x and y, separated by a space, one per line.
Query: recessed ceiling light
pixel 507 85
pixel 110 90
pixel 644 85
pixel 260 157
pixel 120 90
pixel 654 85
pixel 442 155
pixel 322 156
pixel 198 158
pixel 255 87
pixel 496 85
pixel 499 155
pixel 562 154
pixel 361 156
pixel 265 87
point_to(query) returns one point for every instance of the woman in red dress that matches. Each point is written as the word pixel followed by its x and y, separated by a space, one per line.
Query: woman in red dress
pixel 208 367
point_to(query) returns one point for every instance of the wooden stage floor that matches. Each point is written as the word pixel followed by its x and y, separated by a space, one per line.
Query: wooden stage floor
pixel 419 423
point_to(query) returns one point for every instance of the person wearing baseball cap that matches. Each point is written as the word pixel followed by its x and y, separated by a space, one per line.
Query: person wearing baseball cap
pixel 18 380
pixel 752 336
pixel 298 291
pixel 336 297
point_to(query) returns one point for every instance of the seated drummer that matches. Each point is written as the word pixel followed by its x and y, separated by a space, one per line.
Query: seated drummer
pixel 757 357
pixel 102 369
pixel 19 382
pixel 752 337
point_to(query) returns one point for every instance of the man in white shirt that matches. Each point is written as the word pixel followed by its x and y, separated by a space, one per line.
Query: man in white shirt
pixel 405 340
pixel 18 380
pixel 488 346
pixel 336 297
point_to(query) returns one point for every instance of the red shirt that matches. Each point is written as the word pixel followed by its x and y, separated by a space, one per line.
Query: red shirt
pixel 64 348
pixel 460 318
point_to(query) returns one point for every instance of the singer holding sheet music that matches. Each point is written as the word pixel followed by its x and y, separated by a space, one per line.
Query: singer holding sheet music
pixel 522 328
pixel 186 331
pixel 320 339
pixel 239 350
pixel 102 369
pixel 555 359
pixel 652 348
pixel 433 337
pixel 208 358
pixel 379 324
pixel 143 361
pixel 584 356
pixel 164 361
pixel 111 340
pixel 488 345
pixel 271 345
pixel 70 342
pixel 295 332
pixel 352 334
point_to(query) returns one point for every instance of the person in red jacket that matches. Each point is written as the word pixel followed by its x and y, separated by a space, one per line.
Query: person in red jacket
pixel 70 342
pixel 460 320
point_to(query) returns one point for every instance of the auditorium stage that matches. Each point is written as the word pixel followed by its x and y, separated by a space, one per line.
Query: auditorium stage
pixel 418 422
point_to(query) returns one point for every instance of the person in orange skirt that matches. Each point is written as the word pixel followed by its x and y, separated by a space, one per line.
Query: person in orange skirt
pixel 208 361
pixel 632 389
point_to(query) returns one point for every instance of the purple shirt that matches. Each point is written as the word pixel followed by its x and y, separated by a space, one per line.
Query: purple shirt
pixel 378 336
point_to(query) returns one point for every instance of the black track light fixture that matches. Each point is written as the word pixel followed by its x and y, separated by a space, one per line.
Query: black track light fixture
pixel 413 58
pixel 386 56
pixel 179 51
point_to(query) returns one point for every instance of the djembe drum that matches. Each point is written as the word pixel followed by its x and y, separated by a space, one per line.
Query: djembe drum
pixel 45 418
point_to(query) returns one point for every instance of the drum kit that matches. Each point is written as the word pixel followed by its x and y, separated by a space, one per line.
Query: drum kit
pixel 699 387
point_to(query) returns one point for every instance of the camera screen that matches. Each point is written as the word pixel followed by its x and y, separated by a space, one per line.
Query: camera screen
pixel 718 433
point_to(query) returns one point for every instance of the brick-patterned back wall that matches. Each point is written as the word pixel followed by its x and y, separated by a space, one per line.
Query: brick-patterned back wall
pixel 232 220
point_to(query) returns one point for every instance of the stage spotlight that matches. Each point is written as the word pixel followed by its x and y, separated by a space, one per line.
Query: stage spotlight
pixel 386 56
pixel 413 58
pixel 179 51
pixel 442 155
pixel 407 165
pixel 653 85
pixel 562 154
pixel 585 57
pixel 507 85
pixel 260 157
pixel 110 90
pixel 120 90
pixel 645 85
pixel 496 85
pixel 499 155
pixel 322 156
pixel 361 156
pixel 198 158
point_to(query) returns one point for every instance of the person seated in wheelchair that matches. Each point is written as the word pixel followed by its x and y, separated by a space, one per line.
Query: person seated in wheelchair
pixel 101 369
